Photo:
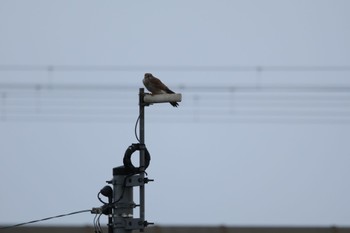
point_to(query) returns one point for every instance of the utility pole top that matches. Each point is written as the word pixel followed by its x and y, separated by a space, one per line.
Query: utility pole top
pixel 120 206
pixel 162 98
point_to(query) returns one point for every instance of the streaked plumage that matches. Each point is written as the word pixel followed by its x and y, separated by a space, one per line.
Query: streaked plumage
pixel 155 86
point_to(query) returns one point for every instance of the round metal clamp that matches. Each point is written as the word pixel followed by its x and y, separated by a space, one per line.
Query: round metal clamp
pixel 127 157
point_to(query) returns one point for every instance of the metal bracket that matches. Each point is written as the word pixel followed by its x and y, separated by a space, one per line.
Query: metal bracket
pixel 134 224
pixel 136 180
pixel 131 224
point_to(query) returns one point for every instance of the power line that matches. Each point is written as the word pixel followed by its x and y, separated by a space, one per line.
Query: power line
pixel 62 86
pixel 197 88
pixel 45 219
pixel 82 102
pixel 173 68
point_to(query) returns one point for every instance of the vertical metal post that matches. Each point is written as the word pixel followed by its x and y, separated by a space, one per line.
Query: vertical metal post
pixel 125 178
pixel 123 198
pixel 110 216
pixel 142 154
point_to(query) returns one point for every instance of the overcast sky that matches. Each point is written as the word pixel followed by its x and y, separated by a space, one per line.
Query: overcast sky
pixel 260 138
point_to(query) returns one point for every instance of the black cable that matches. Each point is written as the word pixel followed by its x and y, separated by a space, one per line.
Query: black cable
pixel 122 194
pixel 99 198
pixel 137 121
pixel 45 219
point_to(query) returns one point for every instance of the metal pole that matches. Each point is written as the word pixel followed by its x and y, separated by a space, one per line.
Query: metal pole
pixel 123 198
pixel 142 153
pixel 110 216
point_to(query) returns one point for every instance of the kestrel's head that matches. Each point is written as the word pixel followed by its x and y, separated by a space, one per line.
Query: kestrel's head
pixel 148 75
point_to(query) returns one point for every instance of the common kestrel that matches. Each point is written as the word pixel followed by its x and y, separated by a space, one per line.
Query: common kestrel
pixel 155 86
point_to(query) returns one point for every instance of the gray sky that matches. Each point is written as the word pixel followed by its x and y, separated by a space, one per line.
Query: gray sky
pixel 261 137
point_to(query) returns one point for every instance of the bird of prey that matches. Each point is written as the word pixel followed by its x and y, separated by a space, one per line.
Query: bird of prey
pixel 155 86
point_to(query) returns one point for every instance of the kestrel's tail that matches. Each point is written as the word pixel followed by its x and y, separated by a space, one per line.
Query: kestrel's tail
pixel 175 104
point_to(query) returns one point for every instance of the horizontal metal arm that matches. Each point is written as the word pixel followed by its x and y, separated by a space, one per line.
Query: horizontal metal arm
pixel 162 98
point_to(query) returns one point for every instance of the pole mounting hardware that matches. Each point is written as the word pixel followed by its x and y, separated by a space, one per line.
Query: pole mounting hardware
pixel 127 158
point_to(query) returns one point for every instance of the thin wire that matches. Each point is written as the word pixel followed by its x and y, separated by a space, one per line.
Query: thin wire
pixel 187 68
pixel 137 121
pixel 219 104
pixel 45 219
pixel 99 224
pixel 202 88
pixel 95 223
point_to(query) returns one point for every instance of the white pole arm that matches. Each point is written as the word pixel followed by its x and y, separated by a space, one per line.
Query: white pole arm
pixel 162 98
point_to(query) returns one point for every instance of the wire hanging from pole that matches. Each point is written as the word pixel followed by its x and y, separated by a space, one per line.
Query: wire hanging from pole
pixel 45 219
pixel 137 121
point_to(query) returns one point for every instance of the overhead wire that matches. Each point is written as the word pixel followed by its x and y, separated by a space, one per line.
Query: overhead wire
pixel 45 219
pixel 221 104
pixel 81 102
pixel 173 68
